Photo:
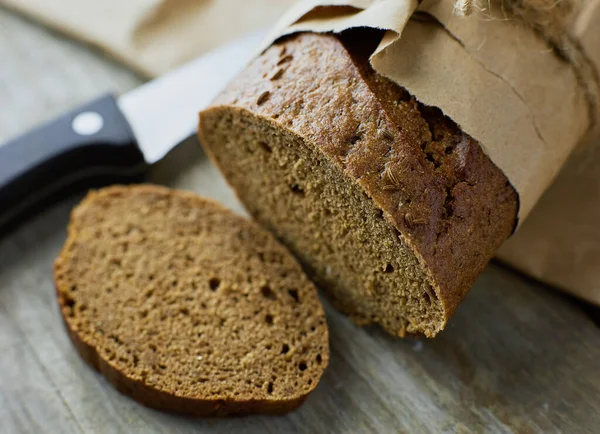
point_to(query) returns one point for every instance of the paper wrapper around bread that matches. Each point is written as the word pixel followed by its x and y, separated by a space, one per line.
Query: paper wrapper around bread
pixel 559 242
pixel 505 86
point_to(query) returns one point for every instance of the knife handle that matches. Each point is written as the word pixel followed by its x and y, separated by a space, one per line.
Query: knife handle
pixel 93 142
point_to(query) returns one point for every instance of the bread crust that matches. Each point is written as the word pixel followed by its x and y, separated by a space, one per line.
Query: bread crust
pixel 164 401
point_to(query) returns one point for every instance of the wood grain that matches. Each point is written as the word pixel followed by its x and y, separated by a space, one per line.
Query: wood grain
pixel 517 357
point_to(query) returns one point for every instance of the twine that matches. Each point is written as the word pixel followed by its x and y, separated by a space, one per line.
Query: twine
pixel 463 8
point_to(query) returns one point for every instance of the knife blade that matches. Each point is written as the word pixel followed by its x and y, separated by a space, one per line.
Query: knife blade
pixel 114 139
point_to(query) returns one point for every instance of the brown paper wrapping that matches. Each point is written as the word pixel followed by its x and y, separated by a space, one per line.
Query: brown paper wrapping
pixel 559 243
pixel 560 240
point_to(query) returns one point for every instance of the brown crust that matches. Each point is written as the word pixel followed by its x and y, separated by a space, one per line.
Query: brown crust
pixel 161 400
pixel 144 393
pixel 435 185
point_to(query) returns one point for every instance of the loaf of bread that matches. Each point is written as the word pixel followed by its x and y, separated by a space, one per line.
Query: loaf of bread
pixel 388 205
pixel 186 307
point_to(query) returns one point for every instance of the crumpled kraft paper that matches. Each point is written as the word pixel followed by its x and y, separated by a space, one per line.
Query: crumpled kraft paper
pixel 559 243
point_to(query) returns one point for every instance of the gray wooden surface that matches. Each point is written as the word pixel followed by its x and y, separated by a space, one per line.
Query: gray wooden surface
pixel 517 357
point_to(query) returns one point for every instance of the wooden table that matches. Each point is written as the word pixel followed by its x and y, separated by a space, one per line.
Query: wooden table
pixel 516 357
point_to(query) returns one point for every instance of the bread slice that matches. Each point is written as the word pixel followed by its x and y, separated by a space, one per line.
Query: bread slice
pixel 389 206
pixel 186 307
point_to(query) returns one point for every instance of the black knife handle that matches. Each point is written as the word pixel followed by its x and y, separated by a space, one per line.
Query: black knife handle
pixel 90 143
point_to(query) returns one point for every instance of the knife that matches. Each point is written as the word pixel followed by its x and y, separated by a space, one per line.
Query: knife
pixel 114 139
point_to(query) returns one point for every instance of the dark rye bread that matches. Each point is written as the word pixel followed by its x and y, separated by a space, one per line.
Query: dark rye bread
pixel 186 307
pixel 390 207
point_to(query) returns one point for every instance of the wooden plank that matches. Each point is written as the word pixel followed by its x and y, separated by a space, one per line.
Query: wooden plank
pixel 29 401
pixel 516 357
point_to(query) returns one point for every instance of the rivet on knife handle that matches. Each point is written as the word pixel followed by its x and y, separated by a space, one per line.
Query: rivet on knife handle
pixel 90 144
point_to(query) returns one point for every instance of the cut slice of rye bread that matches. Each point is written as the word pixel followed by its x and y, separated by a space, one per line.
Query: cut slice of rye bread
pixel 389 206
pixel 186 307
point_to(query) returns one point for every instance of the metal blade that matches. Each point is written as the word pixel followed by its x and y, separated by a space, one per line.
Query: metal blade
pixel 164 112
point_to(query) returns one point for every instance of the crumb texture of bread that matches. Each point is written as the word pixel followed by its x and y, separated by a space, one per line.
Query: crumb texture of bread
pixel 389 206
pixel 187 307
